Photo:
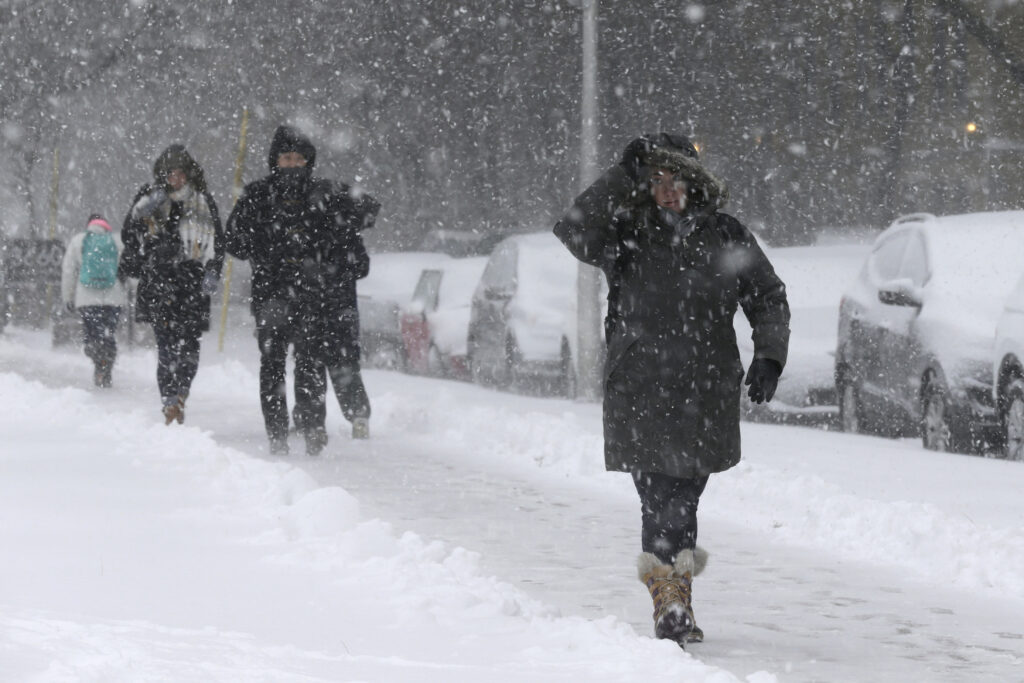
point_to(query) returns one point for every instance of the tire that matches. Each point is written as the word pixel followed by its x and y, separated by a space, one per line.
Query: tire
pixel 477 375
pixel 567 380
pixel 936 434
pixel 1013 421
pixel 851 418
pixel 435 364
pixel 510 373
pixel 386 356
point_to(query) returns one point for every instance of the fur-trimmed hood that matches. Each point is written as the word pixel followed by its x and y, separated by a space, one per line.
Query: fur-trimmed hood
pixel 707 193
pixel 176 156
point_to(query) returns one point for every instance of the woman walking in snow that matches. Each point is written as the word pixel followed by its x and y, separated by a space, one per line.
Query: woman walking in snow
pixel 677 270
pixel 174 245
pixel 90 285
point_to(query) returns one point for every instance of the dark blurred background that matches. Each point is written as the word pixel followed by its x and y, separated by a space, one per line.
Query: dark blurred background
pixel 464 116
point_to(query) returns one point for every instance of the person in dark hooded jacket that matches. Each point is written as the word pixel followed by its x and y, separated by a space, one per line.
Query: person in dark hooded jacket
pixel 301 234
pixel 174 245
pixel 677 269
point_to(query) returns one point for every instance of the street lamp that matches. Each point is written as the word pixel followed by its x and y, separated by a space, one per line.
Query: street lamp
pixel 588 306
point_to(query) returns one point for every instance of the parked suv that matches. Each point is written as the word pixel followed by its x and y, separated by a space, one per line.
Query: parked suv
pixel 1008 373
pixel 916 329
pixel 522 327
pixel 435 323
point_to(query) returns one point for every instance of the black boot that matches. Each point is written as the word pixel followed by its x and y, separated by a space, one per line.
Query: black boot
pixel 316 439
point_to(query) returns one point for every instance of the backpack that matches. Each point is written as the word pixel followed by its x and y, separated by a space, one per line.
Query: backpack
pixel 99 261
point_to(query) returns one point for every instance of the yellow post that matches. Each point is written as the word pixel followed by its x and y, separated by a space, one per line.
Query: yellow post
pixel 54 187
pixel 235 191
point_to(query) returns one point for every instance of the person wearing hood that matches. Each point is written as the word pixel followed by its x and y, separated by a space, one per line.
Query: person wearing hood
pixel 174 245
pixel 302 237
pixel 677 269
pixel 90 284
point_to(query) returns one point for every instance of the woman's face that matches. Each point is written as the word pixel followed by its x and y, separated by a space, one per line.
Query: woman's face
pixel 176 178
pixel 669 192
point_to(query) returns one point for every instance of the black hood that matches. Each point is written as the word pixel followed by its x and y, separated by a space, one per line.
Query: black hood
pixel 677 154
pixel 176 156
pixel 288 139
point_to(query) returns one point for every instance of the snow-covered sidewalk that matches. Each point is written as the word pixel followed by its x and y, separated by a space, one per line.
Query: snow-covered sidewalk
pixel 137 552
pixel 144 552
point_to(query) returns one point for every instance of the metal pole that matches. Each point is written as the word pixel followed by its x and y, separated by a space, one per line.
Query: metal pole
pixel 588 306
pixel 236 190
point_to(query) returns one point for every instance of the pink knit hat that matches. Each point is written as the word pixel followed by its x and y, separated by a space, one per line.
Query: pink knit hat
pixel 100 221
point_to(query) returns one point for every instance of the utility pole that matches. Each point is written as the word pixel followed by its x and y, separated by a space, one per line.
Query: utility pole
pixel 588 305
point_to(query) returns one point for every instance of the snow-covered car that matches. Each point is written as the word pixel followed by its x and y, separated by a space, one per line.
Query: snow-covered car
pixel 382 294
pixel 1008 372
pixel 917 328
pixel 435 323
pixel 815 277
pixel 522 329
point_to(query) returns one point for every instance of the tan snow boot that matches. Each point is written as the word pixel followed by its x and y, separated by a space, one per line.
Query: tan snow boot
pixel 670 588
pixel 175 411
pixel 688 564
pixel 672 617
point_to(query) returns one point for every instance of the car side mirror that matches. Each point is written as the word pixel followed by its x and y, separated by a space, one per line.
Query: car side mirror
pixel 900 293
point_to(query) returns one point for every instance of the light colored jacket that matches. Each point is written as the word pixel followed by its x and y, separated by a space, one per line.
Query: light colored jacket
pixel 71 288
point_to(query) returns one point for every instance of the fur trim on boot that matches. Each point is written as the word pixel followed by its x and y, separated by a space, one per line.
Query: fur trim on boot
pixel 688 564
pixel 692 561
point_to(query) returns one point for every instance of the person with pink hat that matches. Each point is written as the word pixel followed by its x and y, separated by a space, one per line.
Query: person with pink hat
pixel 90 285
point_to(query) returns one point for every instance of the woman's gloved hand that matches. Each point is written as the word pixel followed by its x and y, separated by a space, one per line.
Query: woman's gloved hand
pixel 763 379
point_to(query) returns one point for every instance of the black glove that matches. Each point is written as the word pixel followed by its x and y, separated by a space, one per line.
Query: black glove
pixel 148 204
pixel 634 158
pixel 763 379
pixel 211 280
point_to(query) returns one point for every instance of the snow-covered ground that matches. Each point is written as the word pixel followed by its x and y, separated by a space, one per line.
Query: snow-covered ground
pixel 475 537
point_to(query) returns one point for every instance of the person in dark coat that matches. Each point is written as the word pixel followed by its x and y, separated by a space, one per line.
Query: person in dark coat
pixel 174 245
pixel 677 269
pixel 301 235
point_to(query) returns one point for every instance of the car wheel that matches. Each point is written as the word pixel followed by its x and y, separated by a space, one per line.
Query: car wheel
pixel 435 364
pixel 568 378
pixel 935 432
pixel 1013 421
pixel 511 371
pixel 850 419
pixel 477 375
pixel 386 356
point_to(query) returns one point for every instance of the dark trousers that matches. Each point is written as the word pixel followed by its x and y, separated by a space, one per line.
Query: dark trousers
pixel 347 381
pixel 318 355
pixel 274 336
pixel 99 324
pixel 277 327
pixel 177 363
pixel 668 509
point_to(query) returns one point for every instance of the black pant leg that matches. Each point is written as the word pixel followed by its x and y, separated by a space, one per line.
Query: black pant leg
pixel 273 335
pixel 668 513
pixel 166 359
pixel 310 385
pixel 348 385
pixel 99 324
pixel 187 363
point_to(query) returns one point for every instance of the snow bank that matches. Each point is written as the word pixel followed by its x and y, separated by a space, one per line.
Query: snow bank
pixel 142 552
pixel 948 518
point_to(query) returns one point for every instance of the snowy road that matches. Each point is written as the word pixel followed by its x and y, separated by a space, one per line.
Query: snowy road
pixel 834 558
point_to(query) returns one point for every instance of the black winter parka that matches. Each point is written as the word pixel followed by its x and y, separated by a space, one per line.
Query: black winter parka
pixel 170 289
pixel 306 255
pixel 673 372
